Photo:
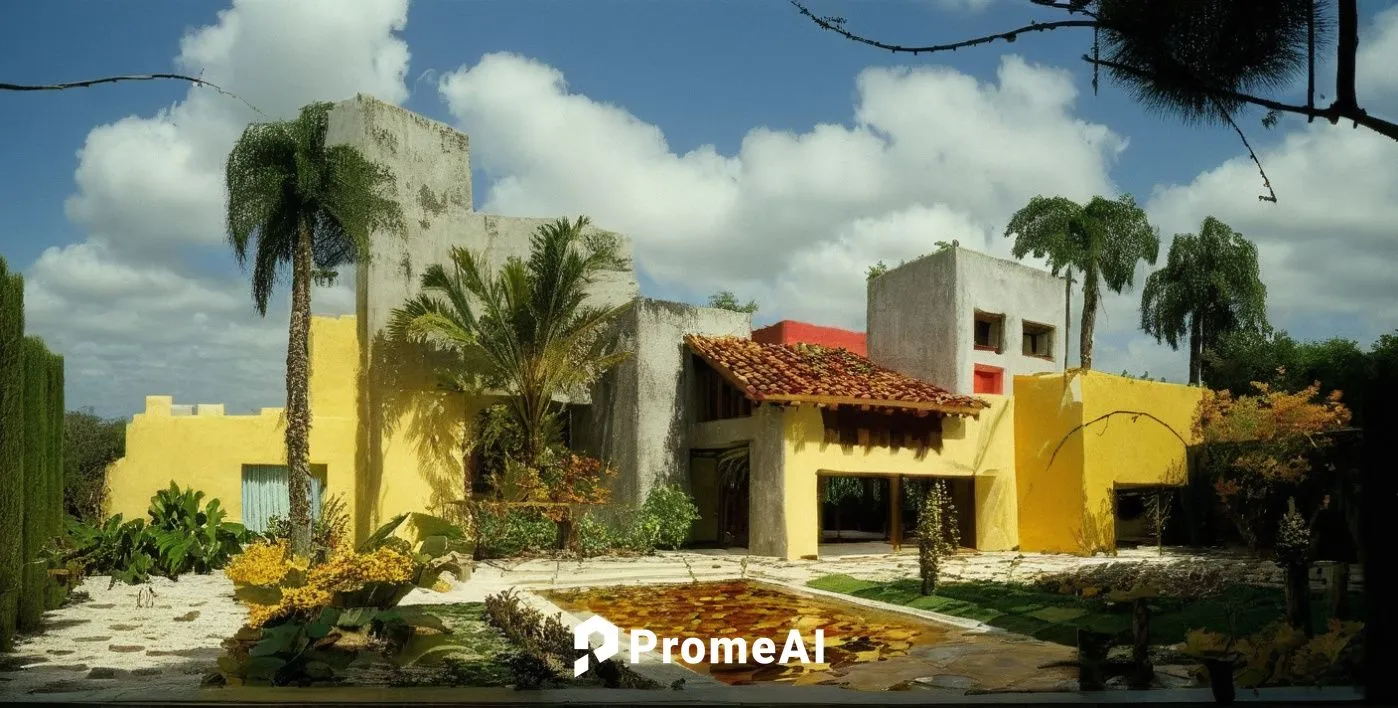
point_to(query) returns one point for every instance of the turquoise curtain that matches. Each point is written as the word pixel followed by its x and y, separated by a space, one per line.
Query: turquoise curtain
pixel 266 493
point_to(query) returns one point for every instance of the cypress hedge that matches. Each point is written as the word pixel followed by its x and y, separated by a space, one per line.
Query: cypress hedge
pixel 31 465
pixel 11 451
pixel 53 509
pixel 36 453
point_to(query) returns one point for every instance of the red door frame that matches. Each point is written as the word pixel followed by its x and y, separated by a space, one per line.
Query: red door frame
pixel 996 374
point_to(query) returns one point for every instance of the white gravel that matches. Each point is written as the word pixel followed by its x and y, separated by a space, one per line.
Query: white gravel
pixel 118 637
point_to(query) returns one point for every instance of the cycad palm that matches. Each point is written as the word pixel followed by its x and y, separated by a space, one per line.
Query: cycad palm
pixel 1102 241
pixel 294 201
pixel 526 329
pixel 1210 286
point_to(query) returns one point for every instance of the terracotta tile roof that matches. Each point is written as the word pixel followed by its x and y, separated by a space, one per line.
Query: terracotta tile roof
pixel 815 374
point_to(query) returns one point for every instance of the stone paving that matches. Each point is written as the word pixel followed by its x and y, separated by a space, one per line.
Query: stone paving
pixel 120 643
pixel 156 636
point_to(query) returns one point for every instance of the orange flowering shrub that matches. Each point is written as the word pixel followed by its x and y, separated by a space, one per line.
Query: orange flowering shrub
pixel 1256 445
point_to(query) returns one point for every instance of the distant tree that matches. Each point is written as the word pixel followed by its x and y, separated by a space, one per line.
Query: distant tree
pixel 1102 241
pixel 90 445
pixel 876 270
pixel 1210 286
pixel 295 201
pixel 726 300
pixel 1240 358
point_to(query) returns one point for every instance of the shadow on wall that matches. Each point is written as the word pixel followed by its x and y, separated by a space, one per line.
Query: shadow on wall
pixel 1097 532
pixel 415 428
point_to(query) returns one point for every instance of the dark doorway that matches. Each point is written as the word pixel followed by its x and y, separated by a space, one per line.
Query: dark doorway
pixel 1148 516
pixel 733 495
pixel 854 509
pixel 718 480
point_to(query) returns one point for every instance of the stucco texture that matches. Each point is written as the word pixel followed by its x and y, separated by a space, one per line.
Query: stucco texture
pixel 982 448
pixel 420 466
pixel 1082 435
pixel 206 451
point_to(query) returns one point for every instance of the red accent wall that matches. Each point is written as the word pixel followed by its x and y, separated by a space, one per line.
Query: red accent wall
pixel 989 379
pixel 793 332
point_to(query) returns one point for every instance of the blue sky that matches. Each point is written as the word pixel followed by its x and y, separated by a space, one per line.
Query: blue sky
pixel 705 74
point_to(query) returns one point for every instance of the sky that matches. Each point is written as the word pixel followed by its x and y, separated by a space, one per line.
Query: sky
pixel 739 147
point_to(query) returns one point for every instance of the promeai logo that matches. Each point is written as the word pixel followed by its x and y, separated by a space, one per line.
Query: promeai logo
pixel 582 639
pixel 692 650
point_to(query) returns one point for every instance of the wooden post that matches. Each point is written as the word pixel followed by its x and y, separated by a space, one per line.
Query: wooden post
pixel 895 510
pixel 1142 670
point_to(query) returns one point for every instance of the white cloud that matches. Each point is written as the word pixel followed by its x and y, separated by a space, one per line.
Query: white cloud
pixel 793 219
pixel 1327 246
pixel 150 303
pixel 964 5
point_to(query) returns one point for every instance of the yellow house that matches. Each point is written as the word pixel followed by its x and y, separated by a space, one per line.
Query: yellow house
pixel 759 433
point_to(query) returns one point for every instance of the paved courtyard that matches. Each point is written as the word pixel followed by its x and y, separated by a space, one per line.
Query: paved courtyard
pixel 135 642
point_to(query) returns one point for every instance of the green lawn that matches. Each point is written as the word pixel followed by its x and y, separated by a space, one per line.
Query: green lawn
pixel 474 656
pixel 1056 617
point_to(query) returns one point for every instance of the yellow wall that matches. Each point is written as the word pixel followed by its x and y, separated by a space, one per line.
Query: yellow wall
pixel 207 450
pixel 971 447
pixel 407 457
pixel 1068 507
pixel 1124 449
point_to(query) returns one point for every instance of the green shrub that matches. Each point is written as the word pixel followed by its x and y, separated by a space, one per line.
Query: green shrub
pixel 33 600
pixel 11 451
pixel 90 445
pixel 668 514
pixel 593 535
pixel 182 536
pixel 118 548
pixel 514 532
pixel 190 538
pixel 328 532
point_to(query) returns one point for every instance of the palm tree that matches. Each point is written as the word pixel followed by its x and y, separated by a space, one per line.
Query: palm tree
pixel 1210 286
pixel 293 200
pixel 525 329
pixel 1101 241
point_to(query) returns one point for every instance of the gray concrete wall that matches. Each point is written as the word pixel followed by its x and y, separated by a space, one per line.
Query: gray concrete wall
pixel 767 485
pixel 912 314
pixel 1020 293
pixel 642 411
pixel 921 317
pixel 431 164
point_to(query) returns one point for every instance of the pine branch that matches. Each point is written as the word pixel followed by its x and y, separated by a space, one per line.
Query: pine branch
pixel 837 25
pixel 1334 113
pixel 1346 107
pixel 1271 195
pixel 197 81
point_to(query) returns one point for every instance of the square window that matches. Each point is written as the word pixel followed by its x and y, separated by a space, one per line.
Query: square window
pixel 1038 340
pixel 988 331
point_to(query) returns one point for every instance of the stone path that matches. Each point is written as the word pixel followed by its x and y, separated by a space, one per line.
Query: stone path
pixel 123 635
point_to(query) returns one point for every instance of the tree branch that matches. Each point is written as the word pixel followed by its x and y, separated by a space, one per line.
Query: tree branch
pixel 1333 113
pixel 1345 97
pixel 1271 195
pixel 1134 415
pixel 127 77
pixel 1346 106
pixel 836 25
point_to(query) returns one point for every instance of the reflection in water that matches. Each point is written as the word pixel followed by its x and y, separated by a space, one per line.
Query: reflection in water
pixel 853 635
